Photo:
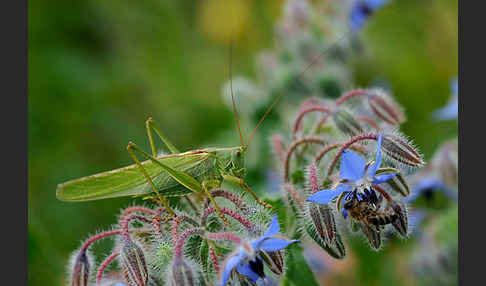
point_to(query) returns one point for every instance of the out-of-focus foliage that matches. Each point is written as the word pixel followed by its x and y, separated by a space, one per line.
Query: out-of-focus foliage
pixel 97 70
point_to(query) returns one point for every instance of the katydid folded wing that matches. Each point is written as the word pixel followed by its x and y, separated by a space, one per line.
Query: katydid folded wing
pixel 129 181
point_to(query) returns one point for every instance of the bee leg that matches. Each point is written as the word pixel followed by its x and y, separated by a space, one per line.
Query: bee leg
pixel 218 210
pixel 373 223
pixel 163 200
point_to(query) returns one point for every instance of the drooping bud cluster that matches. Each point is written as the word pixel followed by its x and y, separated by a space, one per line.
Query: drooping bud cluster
pixel 190 248
pixel 365 162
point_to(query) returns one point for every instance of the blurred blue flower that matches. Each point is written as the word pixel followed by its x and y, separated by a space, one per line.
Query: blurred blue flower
pixel 361 10
pixel 247 259
pixel 415 218
pixel 273 181
pixel 428 185
pixel 450 110
pixel 357 175
pixel 318 263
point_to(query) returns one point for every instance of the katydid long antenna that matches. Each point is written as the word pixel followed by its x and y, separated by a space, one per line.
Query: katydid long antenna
pixel 313 61
pixel 231 90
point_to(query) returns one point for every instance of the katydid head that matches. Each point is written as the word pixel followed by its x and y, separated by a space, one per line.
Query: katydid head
pixel 238 162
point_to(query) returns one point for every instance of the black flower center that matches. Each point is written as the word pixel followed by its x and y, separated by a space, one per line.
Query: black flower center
pixel 365 9
pixel 257 266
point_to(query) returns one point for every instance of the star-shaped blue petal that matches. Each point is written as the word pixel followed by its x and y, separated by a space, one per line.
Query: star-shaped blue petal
pixel 326 196
pixel 354 173
pixel 269 241
pixel 372 169
pixel 352 166
pixel 361 10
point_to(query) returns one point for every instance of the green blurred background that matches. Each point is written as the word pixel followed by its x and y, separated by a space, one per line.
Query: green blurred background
pixel 98 69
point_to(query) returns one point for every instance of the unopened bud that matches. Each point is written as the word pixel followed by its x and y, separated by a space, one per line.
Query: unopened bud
pixel 81 267
pixel 398 184
pixel 401 223
pixel 182 274
pixel 327 218
pixel 346 122
pixel 373 236
pixel 401 150
pixel 133 264
pixel 339 246
pixel 274 260
pixel 385 107
pixel 322 229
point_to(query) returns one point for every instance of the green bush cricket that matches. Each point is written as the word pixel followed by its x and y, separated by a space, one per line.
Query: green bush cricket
pixel 176 174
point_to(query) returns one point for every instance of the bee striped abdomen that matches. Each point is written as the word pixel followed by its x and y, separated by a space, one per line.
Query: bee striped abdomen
pixel 383 219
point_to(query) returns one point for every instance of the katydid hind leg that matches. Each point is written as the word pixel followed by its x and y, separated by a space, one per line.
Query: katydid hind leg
pixel 150 125
pixel 181 177
pixel 163 200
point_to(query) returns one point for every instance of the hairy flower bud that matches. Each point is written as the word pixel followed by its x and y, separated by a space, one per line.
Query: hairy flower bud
pixel 385 107
pixel 401 223
pixel 274 260
pixel 373 236
pixel 346 122
pixel 398 184
pixel 322 228
pixel 401 150
pixel 182 274
pixel 80 269
pixel 324 222
pixel 133 264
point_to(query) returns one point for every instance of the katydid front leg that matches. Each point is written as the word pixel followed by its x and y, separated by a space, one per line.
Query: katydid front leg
pixel 243 185
pixel 217 184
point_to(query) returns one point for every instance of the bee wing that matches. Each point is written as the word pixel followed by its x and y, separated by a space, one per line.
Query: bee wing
pixel 129 180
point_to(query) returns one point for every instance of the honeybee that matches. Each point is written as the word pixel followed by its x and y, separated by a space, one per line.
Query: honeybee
pixel 366 209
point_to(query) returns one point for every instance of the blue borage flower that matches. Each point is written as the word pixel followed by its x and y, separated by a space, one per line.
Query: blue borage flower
pixel 247 259
pixel 357 178
pixel 428 185
pixel 361 10
pixel 450 110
